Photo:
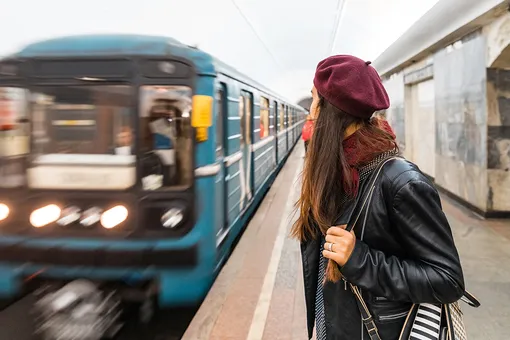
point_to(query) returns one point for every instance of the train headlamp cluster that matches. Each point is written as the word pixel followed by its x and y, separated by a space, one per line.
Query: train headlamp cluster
pixel 52 213
pixel 172 218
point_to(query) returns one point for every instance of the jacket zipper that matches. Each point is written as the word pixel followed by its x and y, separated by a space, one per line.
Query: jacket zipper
pixel 345 283
pixel 393 317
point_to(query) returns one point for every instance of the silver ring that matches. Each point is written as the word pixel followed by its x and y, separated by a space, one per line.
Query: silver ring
pixel 330 247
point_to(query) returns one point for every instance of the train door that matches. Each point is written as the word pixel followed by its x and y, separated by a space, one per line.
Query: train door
pixel 221 198
pixel 245 171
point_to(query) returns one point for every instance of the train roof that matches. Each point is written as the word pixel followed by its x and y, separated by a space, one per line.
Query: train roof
pixel 111 45
pixel 443 24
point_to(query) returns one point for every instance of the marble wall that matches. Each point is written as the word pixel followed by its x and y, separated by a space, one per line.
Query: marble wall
pixel 396 114
pixel 471 105
pixel 460 80
pixel 421 131
pixel 498 131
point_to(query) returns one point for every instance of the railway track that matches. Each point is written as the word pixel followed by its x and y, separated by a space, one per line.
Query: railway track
pixel 16 323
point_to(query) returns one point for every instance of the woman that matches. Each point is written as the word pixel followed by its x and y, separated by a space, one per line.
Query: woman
pixel 405 253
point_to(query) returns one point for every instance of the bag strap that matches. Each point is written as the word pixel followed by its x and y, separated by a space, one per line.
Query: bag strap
pixel 470 299
pixel 366 317
pixel 363 198
pixel 361 201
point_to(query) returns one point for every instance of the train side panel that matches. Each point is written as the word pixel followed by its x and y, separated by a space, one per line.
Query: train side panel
pixel 266 141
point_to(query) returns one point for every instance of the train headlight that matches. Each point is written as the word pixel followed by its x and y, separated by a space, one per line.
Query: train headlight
pixel 91 217
pixel 69 215
pixel 45 215
pixel 4 211
pixel 114 216
pixel 172 218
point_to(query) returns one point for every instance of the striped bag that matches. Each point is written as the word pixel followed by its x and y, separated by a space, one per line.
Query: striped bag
pixel 437 322
pixel 424 321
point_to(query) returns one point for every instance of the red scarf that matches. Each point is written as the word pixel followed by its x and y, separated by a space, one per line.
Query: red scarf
pixel 360 149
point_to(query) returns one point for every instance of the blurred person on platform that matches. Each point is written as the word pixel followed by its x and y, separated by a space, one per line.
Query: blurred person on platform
pixel 401 251
pixel 307 131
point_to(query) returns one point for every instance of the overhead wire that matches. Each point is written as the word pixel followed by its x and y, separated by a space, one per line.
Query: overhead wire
pixel 248 21
pixel 336 25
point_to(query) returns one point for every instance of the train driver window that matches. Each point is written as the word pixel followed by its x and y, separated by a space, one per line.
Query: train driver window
pixel 264 117
pixel 165 137
pixel 14 136
pixel 78 134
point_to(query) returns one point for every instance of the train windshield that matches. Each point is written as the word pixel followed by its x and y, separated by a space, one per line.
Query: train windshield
pixel 82 138
pixel 166 137
pixel 14 136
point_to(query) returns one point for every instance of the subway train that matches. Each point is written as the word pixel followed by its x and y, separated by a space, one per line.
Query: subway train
pixel 132 162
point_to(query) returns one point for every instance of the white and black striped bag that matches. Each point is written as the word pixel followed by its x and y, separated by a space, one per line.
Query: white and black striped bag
pixel 424 321
pixel 427 322
pixel 437 322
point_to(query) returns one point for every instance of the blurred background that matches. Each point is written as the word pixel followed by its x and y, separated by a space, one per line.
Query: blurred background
pixel 146 188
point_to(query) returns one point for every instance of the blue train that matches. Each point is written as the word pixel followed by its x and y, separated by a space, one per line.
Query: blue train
pixel 131 161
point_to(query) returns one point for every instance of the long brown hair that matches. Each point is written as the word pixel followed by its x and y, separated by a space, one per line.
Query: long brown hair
pixel 327 174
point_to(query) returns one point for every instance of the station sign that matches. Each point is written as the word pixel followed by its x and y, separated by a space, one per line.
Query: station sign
pixel 420 75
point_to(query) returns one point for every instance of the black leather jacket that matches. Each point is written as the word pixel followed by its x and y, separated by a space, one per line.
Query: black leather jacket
pixel 407 256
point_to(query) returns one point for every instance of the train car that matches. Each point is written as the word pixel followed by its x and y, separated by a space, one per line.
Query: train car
pixel 143 159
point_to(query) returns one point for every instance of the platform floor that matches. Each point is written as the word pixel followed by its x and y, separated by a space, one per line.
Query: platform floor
pixel 259 292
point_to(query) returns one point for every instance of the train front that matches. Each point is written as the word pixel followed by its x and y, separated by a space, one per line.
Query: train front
pixel 104 178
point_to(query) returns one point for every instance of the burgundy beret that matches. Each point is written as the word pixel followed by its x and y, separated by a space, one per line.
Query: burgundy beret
pixel 351 85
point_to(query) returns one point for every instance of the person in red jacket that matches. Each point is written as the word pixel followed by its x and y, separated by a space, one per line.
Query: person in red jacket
pixel 307 131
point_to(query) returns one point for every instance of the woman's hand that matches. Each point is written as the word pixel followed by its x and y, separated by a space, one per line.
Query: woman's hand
pixel 339 245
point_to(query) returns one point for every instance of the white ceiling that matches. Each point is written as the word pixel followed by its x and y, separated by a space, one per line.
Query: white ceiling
pixel 277 42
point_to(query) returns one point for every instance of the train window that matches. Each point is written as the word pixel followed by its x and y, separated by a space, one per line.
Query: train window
pixel 264 117
pixel 166 137
pixel 248 110
pixel 241 119
pixel 220 108
pixel 282 117
pixel 245 106
pixel 14 136
pixel 287 125
pixel 89 126
pixel 273 118
pixel 291 113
